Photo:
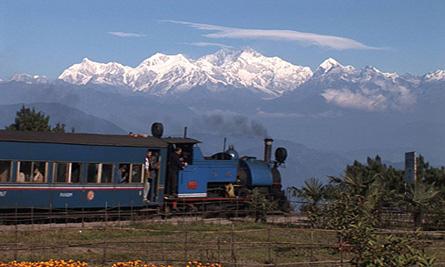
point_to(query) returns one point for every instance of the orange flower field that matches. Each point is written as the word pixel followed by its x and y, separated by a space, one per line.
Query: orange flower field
pixel 50 263
pixel 73 263
pixel 139 263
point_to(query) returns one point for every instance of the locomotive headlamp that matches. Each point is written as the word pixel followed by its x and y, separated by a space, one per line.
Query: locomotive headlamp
pixel 157 129
pixel 280 155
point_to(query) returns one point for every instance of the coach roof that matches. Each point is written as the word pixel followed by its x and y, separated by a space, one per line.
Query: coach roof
pixel 82 139
pixel 180 140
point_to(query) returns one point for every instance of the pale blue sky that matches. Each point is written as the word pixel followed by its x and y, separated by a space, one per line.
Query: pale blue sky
pixel 45 37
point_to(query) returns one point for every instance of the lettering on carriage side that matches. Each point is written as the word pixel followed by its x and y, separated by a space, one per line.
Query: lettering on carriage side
pixel 3 193
pixel 66 194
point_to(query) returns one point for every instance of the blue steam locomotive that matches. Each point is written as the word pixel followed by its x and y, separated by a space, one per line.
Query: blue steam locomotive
pixel 71 170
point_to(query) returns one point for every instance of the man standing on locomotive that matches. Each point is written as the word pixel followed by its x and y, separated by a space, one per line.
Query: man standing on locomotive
pixel 174 165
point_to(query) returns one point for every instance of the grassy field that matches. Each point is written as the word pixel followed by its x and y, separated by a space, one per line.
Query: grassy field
pixel 244 243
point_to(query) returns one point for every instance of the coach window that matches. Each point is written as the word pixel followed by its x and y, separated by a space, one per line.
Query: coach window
pixel 93 173
pixel 5 171
pixel 107 173
pixel 23 171
pixel 124 173
pixel 61 172
pixel 136 173
pixel 39 170
pixel 75 172
pixel 31 171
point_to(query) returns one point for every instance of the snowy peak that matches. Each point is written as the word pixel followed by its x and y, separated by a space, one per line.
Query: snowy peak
pixel 250 69
pixel 332 67
pixel 328 64
pixel 89 71
pixel 29 79
pixel 373 71
pixel 249 53
pixel 438 75
pixel 160 59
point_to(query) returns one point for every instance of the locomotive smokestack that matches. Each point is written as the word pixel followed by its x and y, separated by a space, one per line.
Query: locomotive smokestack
pixel 268 149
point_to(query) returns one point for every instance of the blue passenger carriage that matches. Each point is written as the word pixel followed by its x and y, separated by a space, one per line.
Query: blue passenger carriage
pixel 63 170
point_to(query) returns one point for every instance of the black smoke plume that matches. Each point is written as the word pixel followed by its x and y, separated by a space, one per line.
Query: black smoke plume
pixel 232 126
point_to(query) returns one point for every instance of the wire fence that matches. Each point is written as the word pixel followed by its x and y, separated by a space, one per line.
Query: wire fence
pixel 269 246
pixel 284 241
pixel 226 234
pixel 206 209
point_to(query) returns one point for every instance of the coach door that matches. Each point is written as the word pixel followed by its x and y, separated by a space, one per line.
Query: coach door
pixel 153 168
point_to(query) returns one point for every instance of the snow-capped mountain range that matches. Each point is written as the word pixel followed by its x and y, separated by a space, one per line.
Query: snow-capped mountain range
pixel 362 88
pixel 29 79
pixel 161 74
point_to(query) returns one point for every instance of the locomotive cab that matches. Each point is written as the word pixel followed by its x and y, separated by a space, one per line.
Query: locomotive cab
pixel 224 174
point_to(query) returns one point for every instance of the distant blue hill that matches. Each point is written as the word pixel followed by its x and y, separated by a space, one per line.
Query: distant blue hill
pixel 71 117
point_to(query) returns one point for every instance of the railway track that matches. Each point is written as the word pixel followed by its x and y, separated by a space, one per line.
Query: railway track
pixel 95 217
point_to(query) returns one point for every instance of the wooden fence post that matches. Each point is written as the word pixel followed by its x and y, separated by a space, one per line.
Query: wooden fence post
pixel 312 244
pixel 104 253
pixel 66 214
pixel 32 217
pixel 16 234
pixel 269 249
pixel 219 249
pixel 119 214
pixel 232 245
pixel 185 246
pixel 83 220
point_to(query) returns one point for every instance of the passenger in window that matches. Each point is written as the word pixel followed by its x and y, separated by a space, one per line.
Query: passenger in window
pixel 75 173
pixel 21 177
pixel 4 171
pixel 125 175
pixel 4 176
pixel 38 176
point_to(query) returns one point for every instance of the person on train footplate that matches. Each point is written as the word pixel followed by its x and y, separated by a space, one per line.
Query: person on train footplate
pixel 174 165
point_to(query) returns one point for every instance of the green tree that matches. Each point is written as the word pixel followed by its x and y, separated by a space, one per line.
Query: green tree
pixel 30 120
pixel 312 192
pixel 352 205
pixel 420 197
pixel 430 174
pixel 260 205
pixel 59 128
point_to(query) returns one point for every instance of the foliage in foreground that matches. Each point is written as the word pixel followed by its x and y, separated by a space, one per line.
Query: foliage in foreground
pixel 260 204
pixel 353 205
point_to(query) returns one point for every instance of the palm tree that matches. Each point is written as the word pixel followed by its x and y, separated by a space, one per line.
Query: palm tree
pixel 419 197
pixel 312 192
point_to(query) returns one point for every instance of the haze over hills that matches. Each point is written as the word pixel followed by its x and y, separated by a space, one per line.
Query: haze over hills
pixel 73 119
pixel 330 116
